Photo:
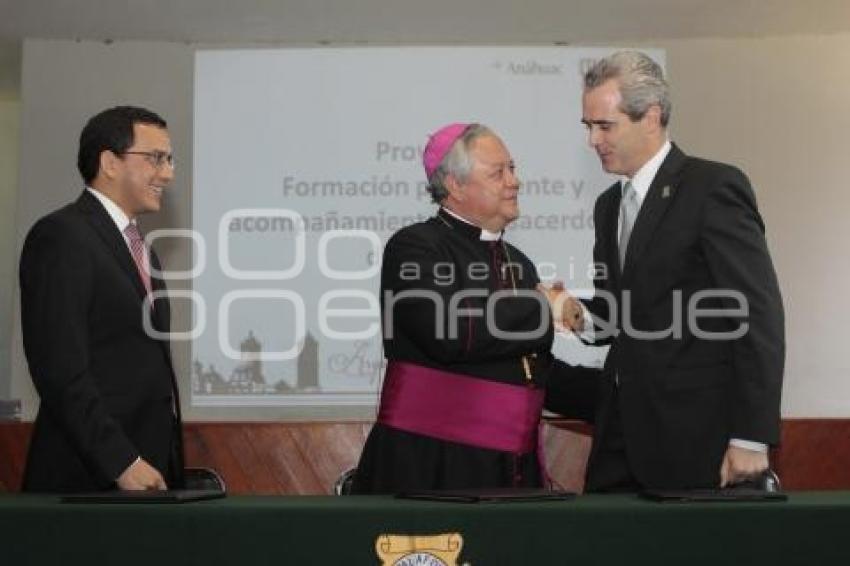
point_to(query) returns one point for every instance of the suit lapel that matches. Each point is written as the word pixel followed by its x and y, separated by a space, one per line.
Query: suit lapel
pixel 608 233
pixel 112 237
pixel 161 311
pixel 658 199
pixel 114 240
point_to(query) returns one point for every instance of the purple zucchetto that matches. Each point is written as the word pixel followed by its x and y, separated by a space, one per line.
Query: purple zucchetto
pixel 439 145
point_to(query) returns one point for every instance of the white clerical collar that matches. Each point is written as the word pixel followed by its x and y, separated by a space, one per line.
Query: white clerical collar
pixel 644 176
pixel 121 220
pixel 486 235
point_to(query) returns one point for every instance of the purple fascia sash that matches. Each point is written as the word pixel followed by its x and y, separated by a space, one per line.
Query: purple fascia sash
pixel 460 408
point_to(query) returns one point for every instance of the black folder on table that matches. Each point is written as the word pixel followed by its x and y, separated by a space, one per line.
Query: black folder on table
pixel 493 495
pixel 712 495
pixel 150 496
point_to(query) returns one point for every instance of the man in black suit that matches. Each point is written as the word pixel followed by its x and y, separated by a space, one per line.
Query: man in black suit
pixel 686 296
pixel 95 321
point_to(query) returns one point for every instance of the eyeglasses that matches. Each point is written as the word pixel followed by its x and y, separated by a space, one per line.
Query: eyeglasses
pixel 155 158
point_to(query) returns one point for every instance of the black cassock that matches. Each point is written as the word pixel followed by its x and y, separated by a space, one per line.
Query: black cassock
pixel 444 256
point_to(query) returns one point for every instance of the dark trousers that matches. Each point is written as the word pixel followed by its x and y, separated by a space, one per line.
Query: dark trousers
pixel 610 471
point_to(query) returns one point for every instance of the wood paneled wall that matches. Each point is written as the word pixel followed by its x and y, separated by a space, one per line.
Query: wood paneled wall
pixel 814 454
pixel 306 458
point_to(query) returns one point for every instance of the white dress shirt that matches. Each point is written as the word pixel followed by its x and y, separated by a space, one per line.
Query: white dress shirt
pixel 115 213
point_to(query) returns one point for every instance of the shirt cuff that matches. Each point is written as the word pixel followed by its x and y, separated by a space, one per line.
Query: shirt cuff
pixel 748 445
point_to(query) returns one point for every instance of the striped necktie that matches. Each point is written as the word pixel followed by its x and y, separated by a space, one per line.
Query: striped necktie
pixel 139 253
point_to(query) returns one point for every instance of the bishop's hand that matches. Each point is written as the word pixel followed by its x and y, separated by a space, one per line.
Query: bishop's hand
pixel 567 311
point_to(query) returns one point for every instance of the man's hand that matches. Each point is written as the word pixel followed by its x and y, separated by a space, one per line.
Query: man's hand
pixel 741 464
pixel 566 309
pixel 141 476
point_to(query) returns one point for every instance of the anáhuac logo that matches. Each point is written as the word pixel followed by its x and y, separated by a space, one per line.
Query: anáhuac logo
pixel 534 68
pixel 361 361
pixel 415 550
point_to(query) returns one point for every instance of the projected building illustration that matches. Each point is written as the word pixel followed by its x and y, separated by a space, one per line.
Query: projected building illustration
pixel 248 377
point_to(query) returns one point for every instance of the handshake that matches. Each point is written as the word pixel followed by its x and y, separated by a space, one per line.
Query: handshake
pixel 567 311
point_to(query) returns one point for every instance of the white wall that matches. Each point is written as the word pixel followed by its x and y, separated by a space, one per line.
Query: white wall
pixel 10 96
pixel 779 108
pixel 776 107
pixel 64 83
pixel 9 109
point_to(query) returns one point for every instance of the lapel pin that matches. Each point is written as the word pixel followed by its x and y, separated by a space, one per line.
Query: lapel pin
pixel 665 192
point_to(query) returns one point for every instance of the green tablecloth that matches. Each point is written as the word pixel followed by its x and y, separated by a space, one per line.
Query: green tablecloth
pixel 812 528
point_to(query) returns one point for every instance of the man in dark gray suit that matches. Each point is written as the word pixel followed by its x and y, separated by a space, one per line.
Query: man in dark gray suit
pixel 686 296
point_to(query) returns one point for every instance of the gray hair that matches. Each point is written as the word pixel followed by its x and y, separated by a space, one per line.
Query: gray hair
pixel 457 162
pixel 641 83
